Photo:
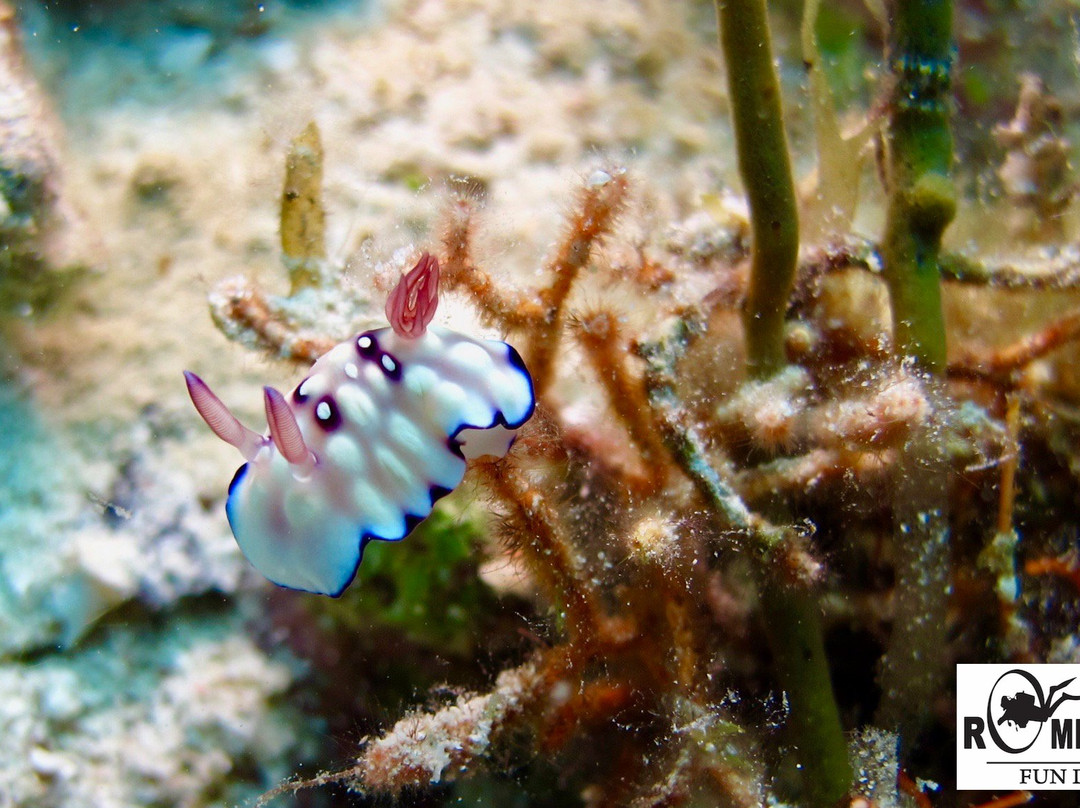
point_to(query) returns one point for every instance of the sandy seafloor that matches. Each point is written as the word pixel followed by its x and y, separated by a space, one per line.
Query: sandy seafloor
pixel 127 673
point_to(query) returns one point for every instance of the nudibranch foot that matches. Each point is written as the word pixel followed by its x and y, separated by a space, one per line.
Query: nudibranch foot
pixel 376 433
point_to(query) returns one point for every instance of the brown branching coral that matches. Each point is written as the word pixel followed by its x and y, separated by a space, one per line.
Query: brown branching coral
pixel 1035 172
pixel 602 198
pixel 536 532
pixel 1002 367
pixel 502 307
pixel 244 313
pixel 427 748
pixel 600 335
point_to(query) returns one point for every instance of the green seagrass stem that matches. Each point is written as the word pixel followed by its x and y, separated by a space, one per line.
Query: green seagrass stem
pixel 793 625
pixel 922 200
pixel 765 169
pixel 790 610
pixel 921 204
pixel 795 637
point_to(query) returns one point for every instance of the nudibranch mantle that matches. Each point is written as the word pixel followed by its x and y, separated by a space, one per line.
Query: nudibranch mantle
pixel 386 422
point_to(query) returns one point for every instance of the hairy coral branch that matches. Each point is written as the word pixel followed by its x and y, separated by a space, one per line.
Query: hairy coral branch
pixel 538 534
pixel 817 470
pixel 703 742
pixel 426 748
pixel 774 414
pixel 594 702
pixel 668 565
pixel 607 350
pixel 1067 569
pixel 601 200
pixel 431 747
pixel 770 413
pixel 1001 366
pixel 243 313
pixel 498 307
pixel 883 419
pixel 1057 272
pixel 1007 486
pixel 998 556
pixel 603 452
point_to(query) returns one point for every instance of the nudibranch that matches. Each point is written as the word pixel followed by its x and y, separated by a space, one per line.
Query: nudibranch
pixel 378 431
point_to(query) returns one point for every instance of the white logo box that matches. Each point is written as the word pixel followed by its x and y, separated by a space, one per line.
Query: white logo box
pixel 1018 727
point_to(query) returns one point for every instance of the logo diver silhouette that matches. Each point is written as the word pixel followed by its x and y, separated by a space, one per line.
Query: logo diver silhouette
pixel 1022 708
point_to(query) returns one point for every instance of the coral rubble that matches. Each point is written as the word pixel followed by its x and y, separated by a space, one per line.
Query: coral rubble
pixel 37 224
pixel 130 719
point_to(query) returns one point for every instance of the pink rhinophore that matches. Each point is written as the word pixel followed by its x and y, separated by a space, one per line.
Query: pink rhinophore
pixel 412 304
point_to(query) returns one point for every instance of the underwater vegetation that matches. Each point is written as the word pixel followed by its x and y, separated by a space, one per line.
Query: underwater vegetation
pixel 819 527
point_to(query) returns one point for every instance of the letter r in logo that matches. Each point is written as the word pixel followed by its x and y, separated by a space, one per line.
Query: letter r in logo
pixel 973 730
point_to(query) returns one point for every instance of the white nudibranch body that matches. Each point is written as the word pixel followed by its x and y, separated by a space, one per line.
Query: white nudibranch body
pixel 376 433
pixel 390 422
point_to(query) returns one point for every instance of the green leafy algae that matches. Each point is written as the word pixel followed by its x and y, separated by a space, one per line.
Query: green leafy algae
pixel 428 588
